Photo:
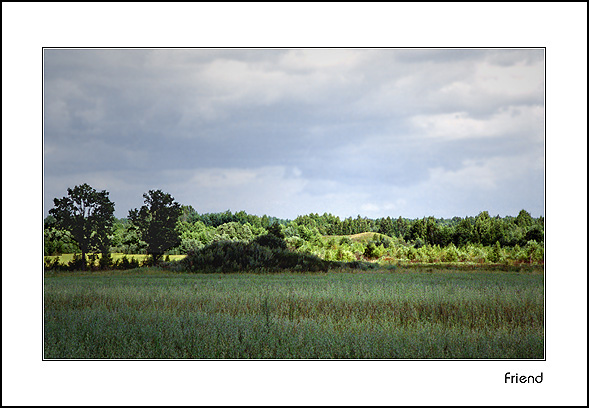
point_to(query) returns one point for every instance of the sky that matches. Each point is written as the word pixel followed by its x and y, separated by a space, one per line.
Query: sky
pixel 375 132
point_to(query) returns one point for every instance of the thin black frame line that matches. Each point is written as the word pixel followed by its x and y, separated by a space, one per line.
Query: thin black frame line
pixel 544 48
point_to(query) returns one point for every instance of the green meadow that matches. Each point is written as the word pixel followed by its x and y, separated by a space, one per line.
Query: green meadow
pixel 393 313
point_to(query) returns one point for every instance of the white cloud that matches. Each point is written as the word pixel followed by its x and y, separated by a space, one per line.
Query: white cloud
pixel 512 81
pixel 369 208
pixel 428 82
pixel 319 79
pixel 524 121
pixel 272 190
pixel 339 60
pixel 485 175
pixel 383 209
pixel 492 184
pixel 222 178
pixel 472 175
pixel 488 81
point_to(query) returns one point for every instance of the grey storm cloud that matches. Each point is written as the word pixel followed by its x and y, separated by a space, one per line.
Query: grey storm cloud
pixel 376 132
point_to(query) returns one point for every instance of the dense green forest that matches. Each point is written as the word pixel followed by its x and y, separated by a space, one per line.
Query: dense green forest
pixel 482 238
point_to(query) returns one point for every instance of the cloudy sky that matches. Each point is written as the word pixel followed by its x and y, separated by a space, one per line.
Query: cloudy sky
pixel 286 132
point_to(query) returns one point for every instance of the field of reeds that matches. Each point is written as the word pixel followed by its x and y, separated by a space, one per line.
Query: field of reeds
pixel 400 313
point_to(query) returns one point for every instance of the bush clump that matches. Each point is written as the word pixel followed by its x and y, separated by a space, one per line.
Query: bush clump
pixel 241 256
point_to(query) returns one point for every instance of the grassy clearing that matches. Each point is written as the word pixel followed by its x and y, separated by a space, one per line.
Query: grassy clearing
pixel 408 314
pixel 363 237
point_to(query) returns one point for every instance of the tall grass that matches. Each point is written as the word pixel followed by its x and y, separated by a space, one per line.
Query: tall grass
pixel 407 314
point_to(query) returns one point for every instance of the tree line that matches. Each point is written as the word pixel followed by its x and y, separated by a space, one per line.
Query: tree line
pixel 481 229
pixel 84 222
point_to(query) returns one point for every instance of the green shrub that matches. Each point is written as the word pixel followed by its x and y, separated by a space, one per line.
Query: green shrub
pixel 495 254
pixel 53 264
pixel 345 241
pixel 92 258
pixel 240 256
pixel 295 242
pixel 520 254
pixel 373 251
pixel 190 244
pixel 125 263
pixel 419 243
pixel 534 252
pixel 105 261
pixel 271 241
pixel 76 264
pixel 432 254
pixel 450 254
pixel 478 255
pixel 412 254
pixel 344 255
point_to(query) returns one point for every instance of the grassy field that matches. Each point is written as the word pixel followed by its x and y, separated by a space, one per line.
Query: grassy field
pixel 66 258
pixel 407 313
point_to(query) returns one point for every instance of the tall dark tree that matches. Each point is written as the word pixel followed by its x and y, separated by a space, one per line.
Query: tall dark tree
pixel 432 231
pixel 418 230
pixel 536 233
pixel 387 227
pixel 188 214
pixel 402 228
pixel 156 222
pixel 88 215
pixel 483 226
pixel 524 219
pixel 463 233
